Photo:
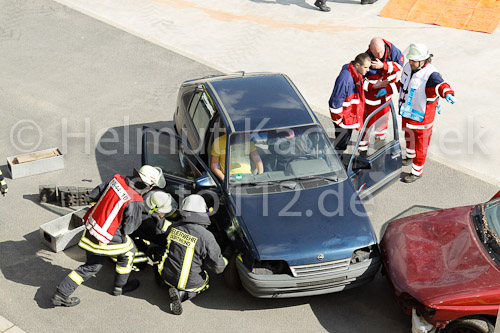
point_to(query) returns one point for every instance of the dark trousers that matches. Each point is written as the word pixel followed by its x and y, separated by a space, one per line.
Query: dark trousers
pixel 92 266
pixel 342 138
pixel 183 295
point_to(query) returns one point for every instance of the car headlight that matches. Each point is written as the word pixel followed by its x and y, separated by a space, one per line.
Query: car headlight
pixel 270 267
pixel 364 254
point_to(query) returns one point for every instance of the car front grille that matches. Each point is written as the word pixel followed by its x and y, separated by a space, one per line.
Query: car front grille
pixel 321 268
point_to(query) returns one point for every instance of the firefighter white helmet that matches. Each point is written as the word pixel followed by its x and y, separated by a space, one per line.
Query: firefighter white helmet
pixel 418 52
pixel 152 176
pixel 160 202
pixel 194 203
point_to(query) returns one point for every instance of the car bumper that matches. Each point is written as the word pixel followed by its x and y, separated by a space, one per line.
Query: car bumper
pixel 283 285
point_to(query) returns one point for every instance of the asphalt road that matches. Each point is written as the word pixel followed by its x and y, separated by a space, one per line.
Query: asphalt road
pixel 75 83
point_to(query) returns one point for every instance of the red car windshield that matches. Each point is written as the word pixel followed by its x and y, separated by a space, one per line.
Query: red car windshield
pixel 492 216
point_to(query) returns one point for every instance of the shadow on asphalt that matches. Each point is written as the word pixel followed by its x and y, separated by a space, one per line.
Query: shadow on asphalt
pixel 119 149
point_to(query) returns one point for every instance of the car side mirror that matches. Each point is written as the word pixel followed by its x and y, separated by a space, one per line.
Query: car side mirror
pixel 359 164
pixel 205 181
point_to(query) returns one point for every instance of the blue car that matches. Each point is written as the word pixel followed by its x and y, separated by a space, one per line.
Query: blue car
pixel 287 208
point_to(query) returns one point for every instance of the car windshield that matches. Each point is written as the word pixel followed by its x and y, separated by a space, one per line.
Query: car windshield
pixel 298 153
pixel 492 217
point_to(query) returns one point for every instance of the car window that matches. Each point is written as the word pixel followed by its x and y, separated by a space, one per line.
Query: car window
pixel 186 99
pixel 167 152
pixel 202 114
pixel 194 103
pixel 379 132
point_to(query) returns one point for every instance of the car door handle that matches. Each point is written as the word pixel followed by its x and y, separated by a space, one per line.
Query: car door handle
pixel 396 154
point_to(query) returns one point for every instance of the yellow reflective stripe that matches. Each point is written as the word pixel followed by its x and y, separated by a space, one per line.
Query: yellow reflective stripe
pixel 189 242
pixel 76 277
pixel 166 224
pixel 105 249
pixel 164 257
pixel 203 287
pixel 140 259
pixel 186 268
pixel 2 182
pixel 127 269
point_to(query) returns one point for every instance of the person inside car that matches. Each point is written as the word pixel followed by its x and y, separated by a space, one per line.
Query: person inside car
pixel 242 150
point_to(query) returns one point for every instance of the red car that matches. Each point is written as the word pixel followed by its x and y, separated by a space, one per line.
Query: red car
pixel 446 265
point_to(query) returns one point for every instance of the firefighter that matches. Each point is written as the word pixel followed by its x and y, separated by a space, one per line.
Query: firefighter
pixel 386 62
pixel 115 215
pixel 162 210
pixel 348 99
pixel 421 87
pixel 189 247
pixel 3 185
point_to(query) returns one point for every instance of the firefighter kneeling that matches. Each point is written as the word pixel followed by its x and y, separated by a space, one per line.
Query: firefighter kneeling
pixel 108 225
pixel 189 246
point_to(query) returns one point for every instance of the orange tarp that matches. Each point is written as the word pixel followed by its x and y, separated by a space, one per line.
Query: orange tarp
pixel 475 15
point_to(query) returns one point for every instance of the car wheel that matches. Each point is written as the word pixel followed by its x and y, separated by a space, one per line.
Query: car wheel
pixel 469 325
pixel 231 276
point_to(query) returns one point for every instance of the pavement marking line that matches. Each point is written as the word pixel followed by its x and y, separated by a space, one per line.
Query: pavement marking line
pixel 5 324
pixel 221 15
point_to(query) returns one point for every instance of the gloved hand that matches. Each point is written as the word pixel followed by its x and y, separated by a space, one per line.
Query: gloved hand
pixel 451 99
pixel 3 188
pixel 383 92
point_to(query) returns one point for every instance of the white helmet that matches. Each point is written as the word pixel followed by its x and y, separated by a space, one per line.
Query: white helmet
pixel 194 203
pixel 152 176
pixel 418 52
pixel 161 202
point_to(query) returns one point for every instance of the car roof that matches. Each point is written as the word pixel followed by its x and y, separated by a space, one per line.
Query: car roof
pixel 260 101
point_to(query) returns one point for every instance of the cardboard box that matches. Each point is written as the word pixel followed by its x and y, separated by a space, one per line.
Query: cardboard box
pixel 63 232
pixel 35 163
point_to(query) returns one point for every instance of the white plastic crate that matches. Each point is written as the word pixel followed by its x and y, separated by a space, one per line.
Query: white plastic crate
pixel 63 232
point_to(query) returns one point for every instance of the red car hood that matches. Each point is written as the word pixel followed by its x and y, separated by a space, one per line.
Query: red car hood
pixel 437 258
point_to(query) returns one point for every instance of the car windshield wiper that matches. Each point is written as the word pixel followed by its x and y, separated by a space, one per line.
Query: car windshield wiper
pixel 291 184
pixel 477 218
pixel 330 178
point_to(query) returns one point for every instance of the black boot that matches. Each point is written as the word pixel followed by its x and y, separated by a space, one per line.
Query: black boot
pixel 407 161
pixel 322 6
pixel 175 301
pixel 411 178
pixel 368 2
pixel 130 286
pixel 58 299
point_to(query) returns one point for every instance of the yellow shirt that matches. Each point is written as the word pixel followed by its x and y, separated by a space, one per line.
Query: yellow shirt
pixel 240 155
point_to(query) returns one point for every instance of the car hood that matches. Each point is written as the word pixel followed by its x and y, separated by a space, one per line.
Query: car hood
pixel 437 258
pixel 297 226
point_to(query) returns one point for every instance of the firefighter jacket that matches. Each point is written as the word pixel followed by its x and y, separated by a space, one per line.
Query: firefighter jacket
pixel 393 63
pixel 416 103
pixel 3 185
pixel 119 206
pixel 347 99
pixel 190 246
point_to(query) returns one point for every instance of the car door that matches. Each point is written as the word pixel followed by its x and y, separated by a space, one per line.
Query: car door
pixel 180 165
pixel 380 165
pixel 201 111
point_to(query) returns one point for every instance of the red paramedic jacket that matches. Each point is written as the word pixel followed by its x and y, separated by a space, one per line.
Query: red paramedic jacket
pixel 347 100
pixel 104 218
